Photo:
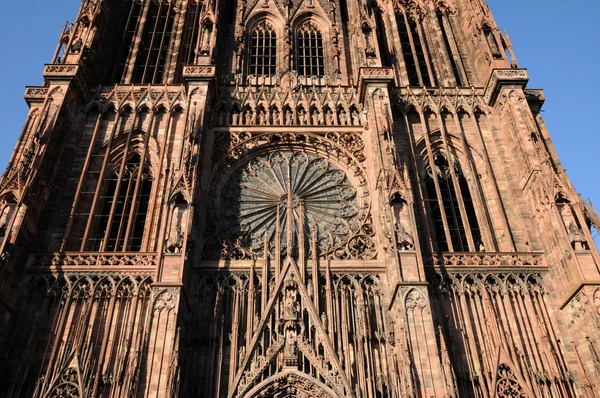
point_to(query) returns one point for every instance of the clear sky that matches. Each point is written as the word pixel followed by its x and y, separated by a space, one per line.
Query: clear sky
pixel 556 41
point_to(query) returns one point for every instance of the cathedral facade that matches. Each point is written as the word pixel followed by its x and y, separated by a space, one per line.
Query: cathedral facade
pixel 292 198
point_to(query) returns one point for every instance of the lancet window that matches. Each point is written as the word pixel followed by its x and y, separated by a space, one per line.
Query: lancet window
pixel 415 51
pixel 451 48
pixel 491 40
pixel 127 41
pixel 155 42
pixel 121 216
pixel 191 32
pixel 309 50
pixel 263 50
pixel 451 205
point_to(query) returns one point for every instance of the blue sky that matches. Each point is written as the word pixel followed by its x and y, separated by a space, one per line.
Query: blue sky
pixel 557 42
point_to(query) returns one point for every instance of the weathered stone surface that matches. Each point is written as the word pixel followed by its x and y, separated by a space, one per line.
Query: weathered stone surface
pixel 292 199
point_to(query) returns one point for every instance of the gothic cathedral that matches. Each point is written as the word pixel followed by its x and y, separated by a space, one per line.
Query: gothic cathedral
pixel 292 198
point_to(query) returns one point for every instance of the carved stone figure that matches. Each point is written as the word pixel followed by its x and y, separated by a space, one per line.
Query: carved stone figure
pixel 289 118
pixel 355 118
pixel 367 218
pixel 249 118
pixel 262 117
pixel 316 118
pixel 329 118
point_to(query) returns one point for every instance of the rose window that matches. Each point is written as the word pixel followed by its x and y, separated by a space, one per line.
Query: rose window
pixel 253 203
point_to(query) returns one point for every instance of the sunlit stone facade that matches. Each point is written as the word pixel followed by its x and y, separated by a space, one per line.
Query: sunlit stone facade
pixel 292 198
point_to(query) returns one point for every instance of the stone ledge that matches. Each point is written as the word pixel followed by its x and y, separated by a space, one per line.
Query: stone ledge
pixel 94 260
pixel 368 75
pixel 535 98
pixel 199 72
pixel 487 260
pixel 502 78
pixel 60 71
pixel 35 94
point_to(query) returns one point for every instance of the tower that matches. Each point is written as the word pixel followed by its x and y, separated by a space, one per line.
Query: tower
pixel 305 198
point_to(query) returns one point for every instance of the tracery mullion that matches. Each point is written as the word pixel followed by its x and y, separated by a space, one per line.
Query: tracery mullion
pixel 125 42
pixel 310 182
pixel 156 211
pixel 118 186
pixel 138 36
pixel 151 44
pixel 299 176
pixel 138 186
pixel 194 42
pixel 457 188
pixel 454 52
pixel 126 204
pixel 436 182
pixel 261 50
pixel 116 126
pixel 411 40
pixel 164 35
pixel 312 48
pixel 480 196
pixel 431 68
pixel 82 177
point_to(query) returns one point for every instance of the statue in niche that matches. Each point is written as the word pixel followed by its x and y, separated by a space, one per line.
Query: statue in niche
pixel 262 118
pixel 77 46
pixel 289 118
pixel 291 307
pixel 302 117
pixel 206 34
pixel 236 118
pixel 343 118
pixel 355 118
pixel 8 210
pixel 248 117
pixel 290 343
pixel 576 236
pixel 221 118
pixel 175 236
pixel 276 121
pixel 329 118
pixel 315 118
pixel 402 223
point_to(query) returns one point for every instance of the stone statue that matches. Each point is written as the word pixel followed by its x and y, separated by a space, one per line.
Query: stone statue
pixel 355 118
pixel 329 118
pixel 315 118
pixel 289 118
pixel 248 117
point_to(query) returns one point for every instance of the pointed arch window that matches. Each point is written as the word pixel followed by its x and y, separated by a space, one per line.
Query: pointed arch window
pixel 263 50
pixel 309 50
pixel 415 51
pixel 451 48
pixel 121 214
pixel 191 33
pixel 452 209
pixel 156 35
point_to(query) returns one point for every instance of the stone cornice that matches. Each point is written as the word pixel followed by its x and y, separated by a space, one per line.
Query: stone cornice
pixel 502 78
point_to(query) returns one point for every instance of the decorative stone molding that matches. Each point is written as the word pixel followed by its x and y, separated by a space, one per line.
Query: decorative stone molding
pixel 55 260
pixel 495 282
pixel 197 72
pixel 489 260
pixel 374 75
pixel 60 71
pixel 535 98
pixel 501 78
pixel 35 94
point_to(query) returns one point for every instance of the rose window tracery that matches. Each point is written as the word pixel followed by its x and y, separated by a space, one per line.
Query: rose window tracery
pixel 253 202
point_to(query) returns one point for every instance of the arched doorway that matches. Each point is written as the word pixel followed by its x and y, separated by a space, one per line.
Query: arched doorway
pixel 291 383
